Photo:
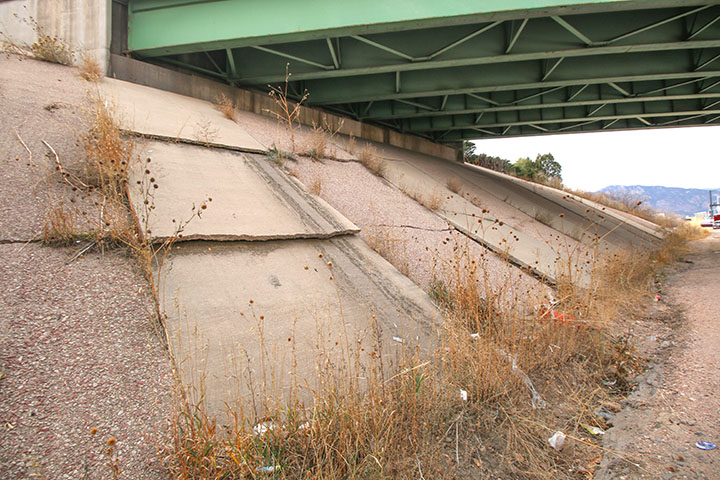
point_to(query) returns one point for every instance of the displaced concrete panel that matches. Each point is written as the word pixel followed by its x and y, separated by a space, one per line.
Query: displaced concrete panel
pixel 251 199
pixel 169 116
pixel 256 319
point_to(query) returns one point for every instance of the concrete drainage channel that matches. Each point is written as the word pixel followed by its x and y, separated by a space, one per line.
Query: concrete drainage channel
pixel 266 253
pixel 269 277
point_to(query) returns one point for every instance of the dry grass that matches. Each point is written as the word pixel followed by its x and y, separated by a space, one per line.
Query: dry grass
pixel 89 68
pixel 316 186
pixel 630 205
pixel 369 157
pixel 287 111
pixel 52 49
pixel 317 145
pixel 415 423
pixel 226 106
pixel 61 224
pixel 454 185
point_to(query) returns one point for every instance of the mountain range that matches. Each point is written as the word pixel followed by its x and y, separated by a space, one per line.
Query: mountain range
pixel 682 201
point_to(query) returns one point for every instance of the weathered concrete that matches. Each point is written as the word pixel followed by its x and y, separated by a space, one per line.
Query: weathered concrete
pixel 259 319
pixel 166 115
pixel 143 73
pixel 83 24
pixel 426 178
pixel 577 218
pixel 506 240
pixel 620 228
pixel 251 199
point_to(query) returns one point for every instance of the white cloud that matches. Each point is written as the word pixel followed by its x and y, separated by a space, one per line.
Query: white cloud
pixel 673 157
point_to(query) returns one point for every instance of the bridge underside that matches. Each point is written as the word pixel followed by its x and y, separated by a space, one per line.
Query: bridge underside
pixel 456 70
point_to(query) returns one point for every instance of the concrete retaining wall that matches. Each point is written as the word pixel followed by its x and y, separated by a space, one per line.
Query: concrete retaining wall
pixel 143 73
pixel 83 24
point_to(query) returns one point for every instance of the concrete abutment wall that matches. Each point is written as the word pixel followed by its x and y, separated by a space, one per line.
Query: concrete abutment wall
pixel 83 24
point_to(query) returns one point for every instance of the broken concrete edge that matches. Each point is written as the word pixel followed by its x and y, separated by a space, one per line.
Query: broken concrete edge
pixel 163 138
pixel 196 86
pixel 627 219
pixel 511 259
pixel 251 238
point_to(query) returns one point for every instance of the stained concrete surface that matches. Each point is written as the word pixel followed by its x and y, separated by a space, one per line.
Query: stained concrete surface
pixel 170 116
pixel 247 197
pixel 258 318
pixel 578 219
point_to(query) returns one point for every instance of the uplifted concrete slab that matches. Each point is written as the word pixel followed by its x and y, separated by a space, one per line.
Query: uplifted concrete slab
pixel 157 113
pixel 260 319
pixel 247 197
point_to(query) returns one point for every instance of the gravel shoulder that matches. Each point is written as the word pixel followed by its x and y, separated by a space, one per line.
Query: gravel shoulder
pixel 676 402
pixel 77 350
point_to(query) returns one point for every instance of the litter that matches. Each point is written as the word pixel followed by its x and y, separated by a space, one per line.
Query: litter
pixel 610 384
pixel 547 311
pixel 657 298
pixel 398 339
pixel 464 395
pixel 537 400
pixel 474 335
pixel 557 440
pixel 269 469
pixel 593 430
pixel 263 427
pixel 705 445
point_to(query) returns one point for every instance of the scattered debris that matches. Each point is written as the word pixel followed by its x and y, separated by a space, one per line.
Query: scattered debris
pixel 263 427
pixel 537 400
pixel 268 469
pixel 398 339
pixel 464 395
pixel 557 440
pixel 705 445
pixel 593 430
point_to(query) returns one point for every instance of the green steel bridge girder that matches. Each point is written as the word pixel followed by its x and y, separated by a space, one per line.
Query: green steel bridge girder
pixel 456 69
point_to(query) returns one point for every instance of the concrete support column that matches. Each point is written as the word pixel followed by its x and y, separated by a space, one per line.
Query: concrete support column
pixel 84 24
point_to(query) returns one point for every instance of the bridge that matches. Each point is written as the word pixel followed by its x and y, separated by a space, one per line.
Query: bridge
pixel 456 70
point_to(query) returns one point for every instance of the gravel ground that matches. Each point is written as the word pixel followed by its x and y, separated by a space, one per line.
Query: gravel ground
pixel 38 101
pixel 76 347
pixel 77 352
pixel 676 403
pixel 412 237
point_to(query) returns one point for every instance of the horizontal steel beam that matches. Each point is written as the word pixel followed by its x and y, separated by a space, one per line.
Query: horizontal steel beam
pixel 565 120
pixel 486 60
pixel 169 27
pixel 537 106
pixel 351 97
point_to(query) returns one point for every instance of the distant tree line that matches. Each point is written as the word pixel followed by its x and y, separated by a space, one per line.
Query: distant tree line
pixel 544 169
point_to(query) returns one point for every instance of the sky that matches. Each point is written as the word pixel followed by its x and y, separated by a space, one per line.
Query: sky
pixel 686 157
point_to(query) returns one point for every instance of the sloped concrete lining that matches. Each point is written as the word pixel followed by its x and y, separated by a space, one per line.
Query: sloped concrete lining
pixel 504 239
pixel 251 199
pixel 256 319
pixel 169 116
pixel 619 227
pixel 581 220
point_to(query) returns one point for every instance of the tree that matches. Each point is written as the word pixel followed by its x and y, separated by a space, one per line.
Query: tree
pixel 469 152
pixel 543 169
pixel 547 164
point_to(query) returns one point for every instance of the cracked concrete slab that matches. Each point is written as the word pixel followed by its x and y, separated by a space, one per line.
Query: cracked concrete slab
pixel 157 113
pixel 257 319
pixel 576 218
pixel 504 239
pixel 251 199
